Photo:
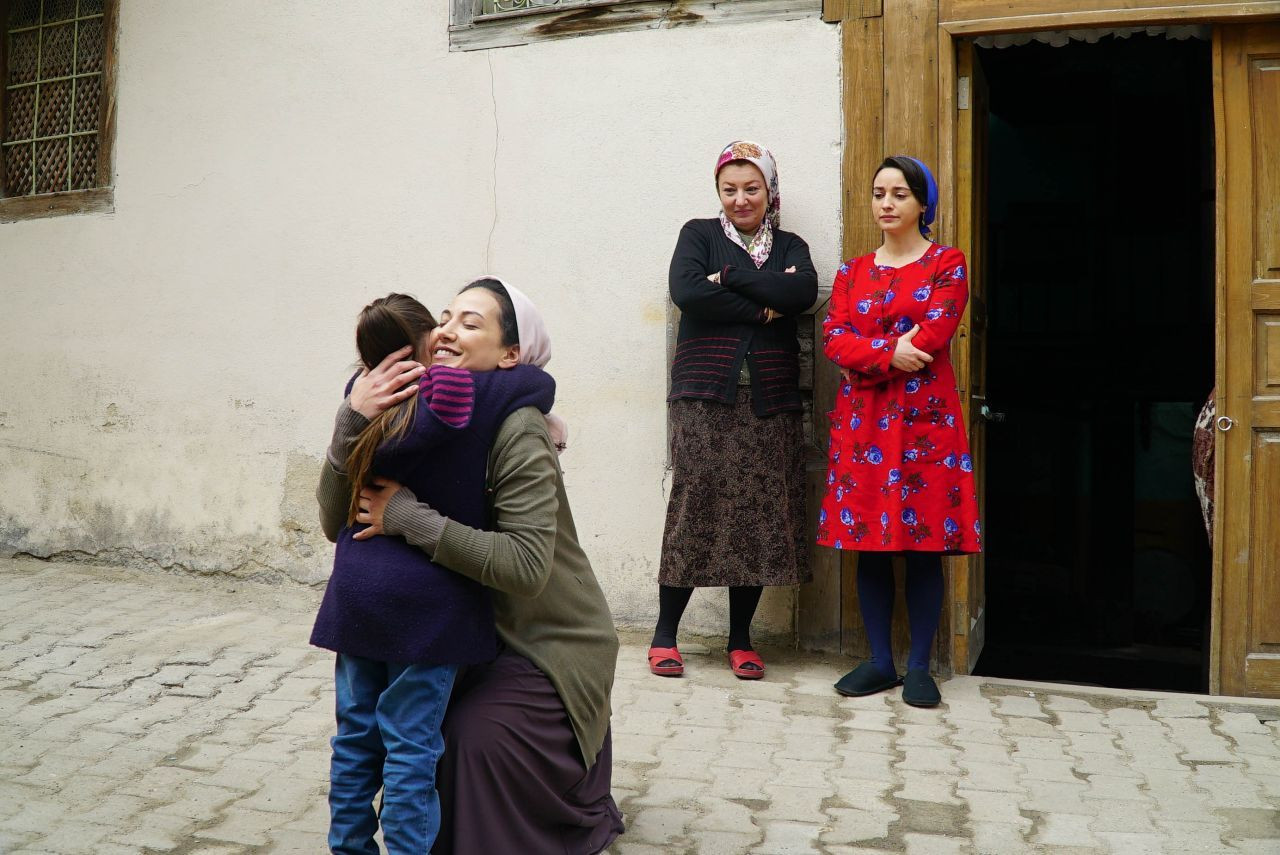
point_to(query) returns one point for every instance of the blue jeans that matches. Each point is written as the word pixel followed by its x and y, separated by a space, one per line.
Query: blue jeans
pixel 388 736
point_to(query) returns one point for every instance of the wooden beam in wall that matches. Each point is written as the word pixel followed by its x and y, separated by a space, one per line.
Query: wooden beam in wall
pixel 863 102
pixel 911 79
pixel 1005 16
pixel 840 10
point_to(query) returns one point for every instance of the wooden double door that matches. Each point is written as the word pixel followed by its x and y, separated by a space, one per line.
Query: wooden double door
pixel 1244 638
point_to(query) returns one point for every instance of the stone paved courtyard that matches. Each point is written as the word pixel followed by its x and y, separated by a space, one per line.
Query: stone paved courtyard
pixel 147 712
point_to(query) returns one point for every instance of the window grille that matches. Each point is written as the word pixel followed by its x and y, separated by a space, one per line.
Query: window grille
pixel 497 7
pixel 53 95
pixel 482 24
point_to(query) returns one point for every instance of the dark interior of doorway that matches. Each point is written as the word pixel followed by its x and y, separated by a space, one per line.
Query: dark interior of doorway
pixel 1100 353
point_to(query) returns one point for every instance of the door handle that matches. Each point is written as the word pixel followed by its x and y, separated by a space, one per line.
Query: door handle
pixel 1225 423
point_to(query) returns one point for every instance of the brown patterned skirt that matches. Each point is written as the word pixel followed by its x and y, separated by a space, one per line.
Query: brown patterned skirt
pixel 736 514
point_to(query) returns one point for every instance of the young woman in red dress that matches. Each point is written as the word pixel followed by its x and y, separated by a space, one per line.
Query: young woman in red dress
pixel 901 478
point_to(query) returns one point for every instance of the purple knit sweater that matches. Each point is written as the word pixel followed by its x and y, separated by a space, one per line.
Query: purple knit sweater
pixel 386 600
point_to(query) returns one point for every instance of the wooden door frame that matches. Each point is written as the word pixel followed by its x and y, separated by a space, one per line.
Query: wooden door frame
pixel 981 18
pixel 899 61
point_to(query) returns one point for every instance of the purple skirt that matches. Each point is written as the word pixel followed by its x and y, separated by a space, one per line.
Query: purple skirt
pixel 512 777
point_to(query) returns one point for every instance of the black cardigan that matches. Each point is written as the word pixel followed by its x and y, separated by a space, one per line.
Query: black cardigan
pixel 720 325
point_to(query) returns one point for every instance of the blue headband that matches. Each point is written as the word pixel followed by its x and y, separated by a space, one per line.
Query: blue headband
pixel 931 191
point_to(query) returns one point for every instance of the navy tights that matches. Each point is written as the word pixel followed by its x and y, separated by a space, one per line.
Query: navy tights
pixel 924 605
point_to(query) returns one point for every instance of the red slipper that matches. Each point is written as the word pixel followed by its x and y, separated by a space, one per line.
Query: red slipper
pixel 739 659
pixel 658 655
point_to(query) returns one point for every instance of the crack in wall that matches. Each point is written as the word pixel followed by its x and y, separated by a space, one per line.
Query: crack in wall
pixel 493 226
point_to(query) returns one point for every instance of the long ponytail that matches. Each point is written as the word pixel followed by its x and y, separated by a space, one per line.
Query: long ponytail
pixel 385 325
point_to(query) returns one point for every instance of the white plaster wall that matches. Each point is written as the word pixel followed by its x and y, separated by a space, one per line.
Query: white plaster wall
pixel 171 369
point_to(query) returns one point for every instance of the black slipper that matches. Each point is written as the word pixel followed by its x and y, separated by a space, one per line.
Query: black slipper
pixel 919 689
pixel 866 679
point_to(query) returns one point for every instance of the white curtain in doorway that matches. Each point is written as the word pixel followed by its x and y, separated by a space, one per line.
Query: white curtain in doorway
pixel 1058 38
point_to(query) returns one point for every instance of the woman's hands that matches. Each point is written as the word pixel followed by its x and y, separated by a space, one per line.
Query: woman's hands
pixel 769 314
pixel 373 503
pixel 772 314
pixel 385 386
pixel 906 356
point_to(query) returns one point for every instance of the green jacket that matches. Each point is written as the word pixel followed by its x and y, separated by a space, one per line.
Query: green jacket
pixel 547 602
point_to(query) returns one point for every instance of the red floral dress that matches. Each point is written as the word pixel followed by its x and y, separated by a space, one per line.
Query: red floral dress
pixel 900 477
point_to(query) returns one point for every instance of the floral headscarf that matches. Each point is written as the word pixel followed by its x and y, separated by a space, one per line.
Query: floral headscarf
pixel 760 157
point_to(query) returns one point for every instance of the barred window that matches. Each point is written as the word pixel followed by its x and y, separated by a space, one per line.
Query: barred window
pixel 497 7
pixel 56 89
pixel 480 24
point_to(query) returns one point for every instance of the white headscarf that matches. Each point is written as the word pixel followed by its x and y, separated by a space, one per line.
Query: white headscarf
pixel 535 349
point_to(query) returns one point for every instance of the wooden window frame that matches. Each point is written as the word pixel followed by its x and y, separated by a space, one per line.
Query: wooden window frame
pixel 471 30
pixel 99 199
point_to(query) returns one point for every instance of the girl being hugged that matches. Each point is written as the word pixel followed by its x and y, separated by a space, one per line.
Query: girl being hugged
pixel 401 625
pixel 901 478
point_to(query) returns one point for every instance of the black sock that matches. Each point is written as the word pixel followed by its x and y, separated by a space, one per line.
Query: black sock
pixel 671 604
pixel 743 600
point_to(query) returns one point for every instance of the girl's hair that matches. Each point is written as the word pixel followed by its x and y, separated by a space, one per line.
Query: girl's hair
pixel 912 172
pixel 385 325
pixel 506 309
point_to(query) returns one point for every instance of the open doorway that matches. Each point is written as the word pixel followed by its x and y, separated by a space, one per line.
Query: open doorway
pixel 1100 349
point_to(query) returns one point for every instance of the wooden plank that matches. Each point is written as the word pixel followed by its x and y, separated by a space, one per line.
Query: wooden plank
pixel 1232 491
pixel 100 200
pixel 973 17
pixel 862 51
pixel 911 98
pixel 818 602
pixel 1264 86
pixel 1262 413
pixel 848 10
pixel 890 106
pixel 911 79
pixel 963 144
pixel 5 6
pixel 1263 67
pixel 1266 370
pixel 946 229
pixel 107 105
pixel 1218 567
pixel 1264 623
pixel 1265 296
pixel 1262 673
pixel 862 54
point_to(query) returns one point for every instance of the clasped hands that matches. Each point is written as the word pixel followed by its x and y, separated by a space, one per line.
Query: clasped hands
pixel 769 314
pixel 373 504
pixel 906 356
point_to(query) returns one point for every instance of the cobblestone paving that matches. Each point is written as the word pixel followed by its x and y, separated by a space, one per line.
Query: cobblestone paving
pixel 144 712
